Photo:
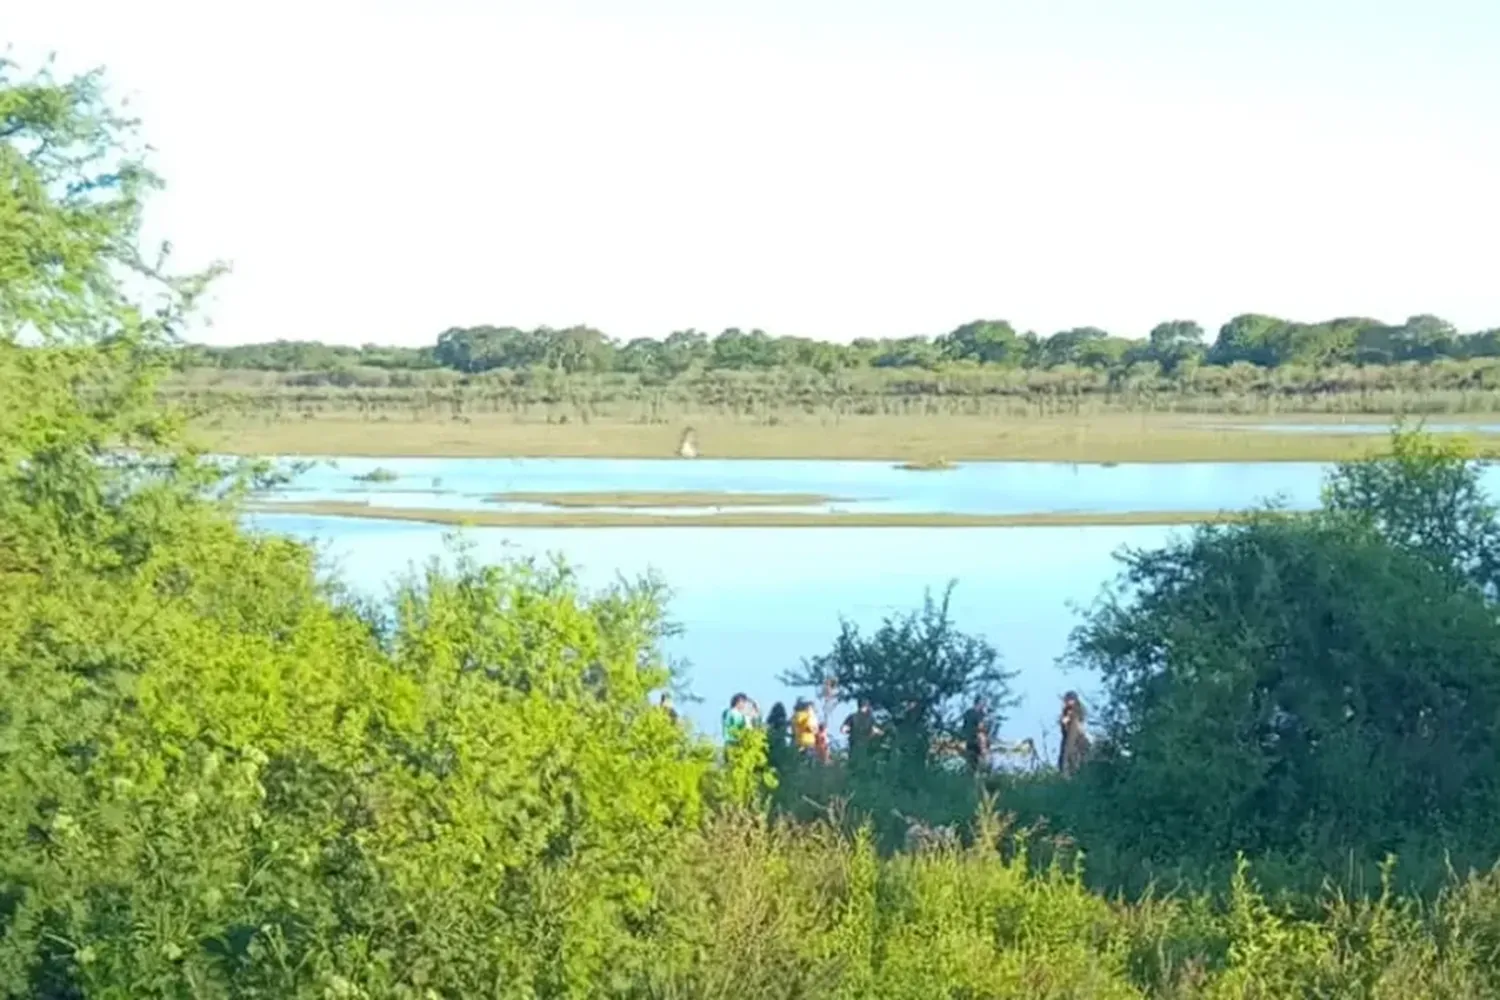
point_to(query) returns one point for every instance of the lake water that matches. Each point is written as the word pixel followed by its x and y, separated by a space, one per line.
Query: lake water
pixel 975 488
pixel 754 601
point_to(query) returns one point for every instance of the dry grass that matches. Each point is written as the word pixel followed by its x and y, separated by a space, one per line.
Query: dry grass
pixel 735 519
pixel 917 439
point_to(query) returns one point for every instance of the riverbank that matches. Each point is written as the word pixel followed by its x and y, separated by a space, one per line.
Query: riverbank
pixel 900 439
pixel 731 519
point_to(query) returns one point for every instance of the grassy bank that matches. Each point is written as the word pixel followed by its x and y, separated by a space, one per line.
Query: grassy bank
pixel 914 439
pixel 684 499
pixel 733 519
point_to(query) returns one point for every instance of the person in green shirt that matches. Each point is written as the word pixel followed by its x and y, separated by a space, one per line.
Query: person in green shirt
pixel 735 719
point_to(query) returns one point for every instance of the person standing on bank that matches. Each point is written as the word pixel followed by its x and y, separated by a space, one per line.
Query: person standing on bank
pixel 976 732
pixel 1075 740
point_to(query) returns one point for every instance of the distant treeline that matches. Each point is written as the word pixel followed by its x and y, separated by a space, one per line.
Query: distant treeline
pixel 1171 347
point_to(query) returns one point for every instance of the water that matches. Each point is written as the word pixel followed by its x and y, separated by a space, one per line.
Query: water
pixel 975 488
pixel 754 601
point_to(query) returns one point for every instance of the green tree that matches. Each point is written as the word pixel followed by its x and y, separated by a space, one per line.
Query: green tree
pixel 217 778
pixel 1072 347
pixel 919 673
pixel 1174 343
pixel 1427 496
pixel 992 342
pixel 1307 682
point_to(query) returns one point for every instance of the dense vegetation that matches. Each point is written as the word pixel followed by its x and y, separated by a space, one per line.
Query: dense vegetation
pixel 1257 365
pixel 221 778
pixel 1266 341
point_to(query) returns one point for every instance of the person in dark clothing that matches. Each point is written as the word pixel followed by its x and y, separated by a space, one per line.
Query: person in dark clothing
pixel 778 735
pixel 976 731
pixel 1075 740
pixel 859 728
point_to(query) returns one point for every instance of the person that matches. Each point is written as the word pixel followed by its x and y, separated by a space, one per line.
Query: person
pixel 976 730
pixel 666 706
pixel 859 728
pixel 734 720
pixel 777 746
pixel 776 723
pixel 1075 740
pixel 804 726
pixel 820 744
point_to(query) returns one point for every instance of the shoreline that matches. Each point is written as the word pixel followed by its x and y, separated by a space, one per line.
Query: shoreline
pixel 737 519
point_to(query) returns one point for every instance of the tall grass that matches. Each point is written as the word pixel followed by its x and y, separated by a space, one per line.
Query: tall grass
pixel 774 909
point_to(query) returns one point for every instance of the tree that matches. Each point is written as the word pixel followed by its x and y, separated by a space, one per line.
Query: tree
pixel 918 672
pixel 218 777
pixel 1072 347
pixel 992 342
pixel 1175 342
pixel 1328 680
pixel 908 352
pixel 1426 496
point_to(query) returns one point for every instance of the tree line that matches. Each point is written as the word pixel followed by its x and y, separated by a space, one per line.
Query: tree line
pixel 1173 346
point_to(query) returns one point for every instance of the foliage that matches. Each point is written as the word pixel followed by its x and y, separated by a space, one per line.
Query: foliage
pixel 1172 346
pixel 1426 496
pixel 72 184
pixel 918 672
pixel 792 910
pixel 218 778
pixel 1306 682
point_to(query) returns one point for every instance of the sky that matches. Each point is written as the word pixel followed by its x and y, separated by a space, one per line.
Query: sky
pixel 378 171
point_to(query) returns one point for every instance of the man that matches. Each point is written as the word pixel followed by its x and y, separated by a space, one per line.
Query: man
pixel 666 706
pixel 976 730
pixel 859 728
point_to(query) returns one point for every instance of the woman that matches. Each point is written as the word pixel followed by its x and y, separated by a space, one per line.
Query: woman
pixel 1075 741
pixel 804 726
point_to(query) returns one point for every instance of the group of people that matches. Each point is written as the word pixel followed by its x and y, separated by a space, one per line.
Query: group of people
pixel 804 732
pixel 801 730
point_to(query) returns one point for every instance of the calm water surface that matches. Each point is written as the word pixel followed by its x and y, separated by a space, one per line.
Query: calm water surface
pixel 976 488
pixel 754 601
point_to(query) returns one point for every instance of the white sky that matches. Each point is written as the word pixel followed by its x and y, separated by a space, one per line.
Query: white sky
pixel 379 171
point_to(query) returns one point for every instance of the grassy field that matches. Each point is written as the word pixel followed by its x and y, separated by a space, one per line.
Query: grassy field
pixel 1122 437
pixel 731 519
